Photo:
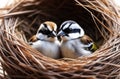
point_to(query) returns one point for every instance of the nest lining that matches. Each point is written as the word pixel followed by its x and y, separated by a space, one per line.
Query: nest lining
pixel 99 20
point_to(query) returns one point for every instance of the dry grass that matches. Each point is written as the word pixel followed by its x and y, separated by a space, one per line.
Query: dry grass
pixel 100 20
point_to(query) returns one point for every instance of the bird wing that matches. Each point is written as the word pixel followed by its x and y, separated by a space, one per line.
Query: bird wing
pixel 86 39
pixel 33 38
pixel 88 42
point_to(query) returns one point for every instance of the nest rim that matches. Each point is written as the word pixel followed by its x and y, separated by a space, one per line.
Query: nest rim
pixel 56 65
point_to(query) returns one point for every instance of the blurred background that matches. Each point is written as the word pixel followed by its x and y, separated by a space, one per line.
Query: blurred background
pixel 4 5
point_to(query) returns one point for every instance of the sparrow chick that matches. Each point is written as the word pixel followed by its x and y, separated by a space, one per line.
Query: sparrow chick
pixel 74 41
pixel 46 40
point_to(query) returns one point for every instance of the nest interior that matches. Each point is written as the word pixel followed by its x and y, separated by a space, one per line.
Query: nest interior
pixel 60 11
pixel 99 19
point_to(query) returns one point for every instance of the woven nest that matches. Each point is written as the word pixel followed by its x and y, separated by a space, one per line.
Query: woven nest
pixel 100 20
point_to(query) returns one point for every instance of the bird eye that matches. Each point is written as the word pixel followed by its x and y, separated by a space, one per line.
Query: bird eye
pixel 67 30
pixel 43 31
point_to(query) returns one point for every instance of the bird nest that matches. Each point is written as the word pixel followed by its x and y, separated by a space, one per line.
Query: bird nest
pixel 99 19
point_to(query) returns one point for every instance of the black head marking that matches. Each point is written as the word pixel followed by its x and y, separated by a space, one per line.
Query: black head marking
pixel 70 30
pixel 44 30
pixel 45 25
pixel 62 26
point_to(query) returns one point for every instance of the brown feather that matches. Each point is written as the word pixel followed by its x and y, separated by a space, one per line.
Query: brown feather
pixel 33 38
pixel 86 39
pixel 51 24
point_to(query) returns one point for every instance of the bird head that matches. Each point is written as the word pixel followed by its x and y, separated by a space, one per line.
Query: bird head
pixel 46 32
pixel 70 30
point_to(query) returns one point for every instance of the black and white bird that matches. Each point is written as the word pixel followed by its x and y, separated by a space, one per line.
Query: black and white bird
pixel 74 41
pixel 46 40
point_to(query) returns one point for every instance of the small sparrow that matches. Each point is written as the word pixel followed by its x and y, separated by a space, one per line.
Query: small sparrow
pixel 74 41
pixel 46 40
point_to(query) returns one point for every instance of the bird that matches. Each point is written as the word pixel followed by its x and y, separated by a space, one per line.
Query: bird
pixel 74 41
pixel 46 41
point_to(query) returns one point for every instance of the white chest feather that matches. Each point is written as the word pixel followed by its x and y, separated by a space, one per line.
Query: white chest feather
pixel 73 49
pixel 50 49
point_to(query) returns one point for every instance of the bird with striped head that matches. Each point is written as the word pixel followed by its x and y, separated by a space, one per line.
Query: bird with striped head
pixel 74 41
pixel 46 40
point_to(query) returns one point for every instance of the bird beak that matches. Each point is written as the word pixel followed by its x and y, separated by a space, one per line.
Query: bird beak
pixel 61 33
